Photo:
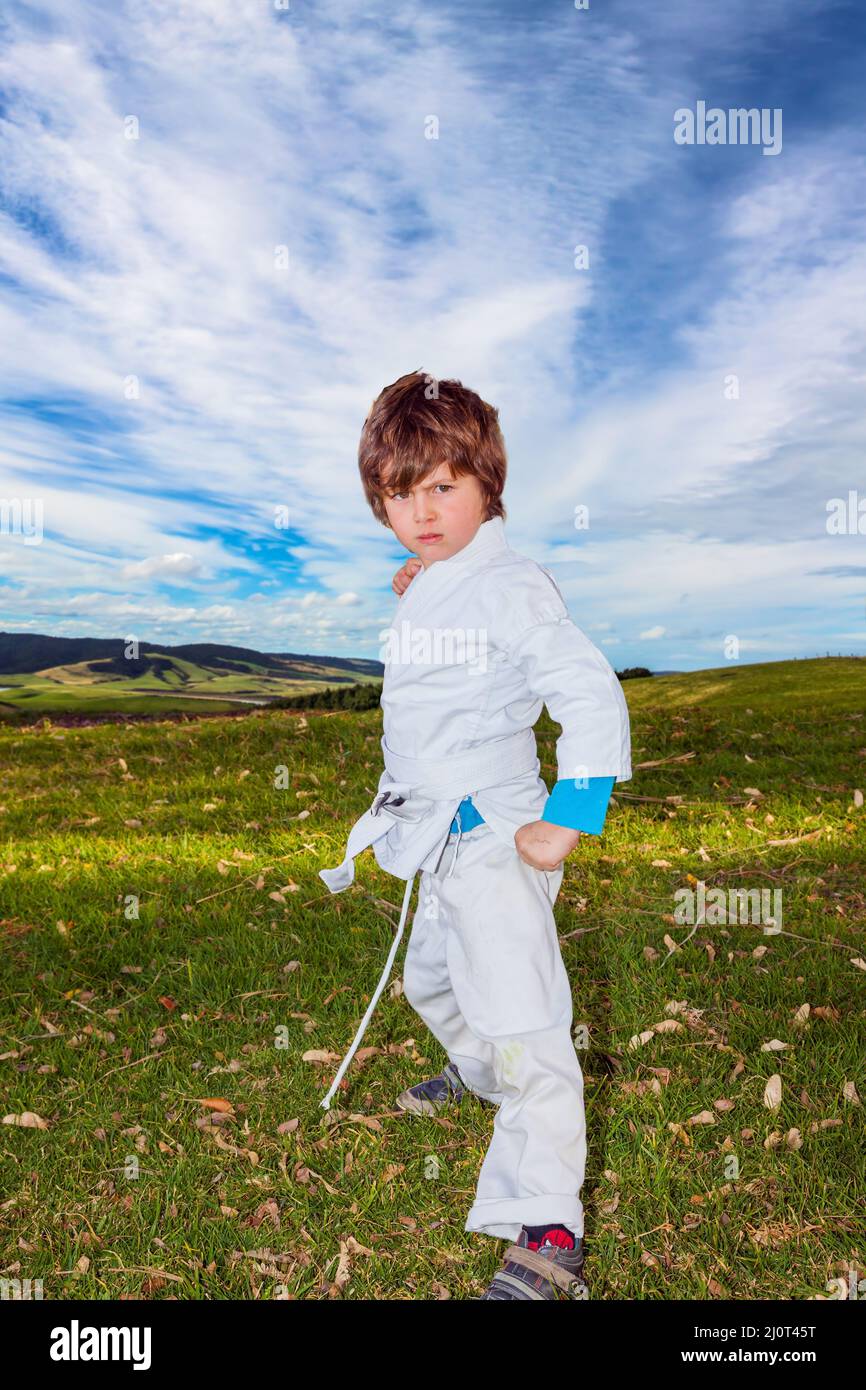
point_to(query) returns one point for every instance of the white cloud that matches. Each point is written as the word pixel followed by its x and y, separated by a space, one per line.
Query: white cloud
pixel 153 258
pixel 180 563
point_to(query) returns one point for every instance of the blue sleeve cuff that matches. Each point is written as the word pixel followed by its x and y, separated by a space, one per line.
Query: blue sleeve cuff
pixel 579 806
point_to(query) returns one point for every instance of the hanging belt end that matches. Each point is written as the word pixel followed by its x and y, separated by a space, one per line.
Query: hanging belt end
pixel 341 877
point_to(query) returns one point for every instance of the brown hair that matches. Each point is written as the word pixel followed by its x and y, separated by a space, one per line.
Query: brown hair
pixel 417 423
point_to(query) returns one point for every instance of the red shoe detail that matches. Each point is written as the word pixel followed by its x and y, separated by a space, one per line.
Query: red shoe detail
pixel 556 1235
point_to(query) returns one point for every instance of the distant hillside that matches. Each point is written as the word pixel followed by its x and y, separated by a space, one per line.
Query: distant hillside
pixel 23 652
pixel 91 676
pixel 81 678
pixel 777 687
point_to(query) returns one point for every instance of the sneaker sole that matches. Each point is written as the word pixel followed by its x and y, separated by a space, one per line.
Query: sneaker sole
pixel 412 1105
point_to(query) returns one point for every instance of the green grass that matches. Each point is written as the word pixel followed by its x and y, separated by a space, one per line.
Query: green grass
pixel 43 698
pixel 38 700
pixel 117 1027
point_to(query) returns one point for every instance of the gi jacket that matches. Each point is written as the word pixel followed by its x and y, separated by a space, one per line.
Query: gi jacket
pixel 479 642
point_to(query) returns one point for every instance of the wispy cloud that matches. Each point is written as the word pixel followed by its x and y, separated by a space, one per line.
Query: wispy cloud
pixel 194 320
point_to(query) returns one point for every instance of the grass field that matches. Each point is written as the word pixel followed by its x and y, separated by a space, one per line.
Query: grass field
pixel 116 1027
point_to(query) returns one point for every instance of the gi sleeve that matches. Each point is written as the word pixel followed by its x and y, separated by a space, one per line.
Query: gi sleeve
pixel 562 667
pixel 579 807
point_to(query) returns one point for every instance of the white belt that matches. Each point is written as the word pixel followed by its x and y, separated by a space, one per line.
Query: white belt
pixel 413 786
pixel 412 789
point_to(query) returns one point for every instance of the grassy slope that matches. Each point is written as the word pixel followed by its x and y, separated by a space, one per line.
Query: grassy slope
pixel 122 1074
pixel 775 687
pixel 79 689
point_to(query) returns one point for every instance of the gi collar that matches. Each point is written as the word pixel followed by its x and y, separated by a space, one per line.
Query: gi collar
pixel 488 540
pixel 489 537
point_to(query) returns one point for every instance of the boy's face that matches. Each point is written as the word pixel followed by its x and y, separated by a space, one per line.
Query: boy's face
pixel 439 516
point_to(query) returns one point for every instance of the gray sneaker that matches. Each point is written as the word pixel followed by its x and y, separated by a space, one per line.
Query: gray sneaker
pixel 529 1273
pixel 429 1097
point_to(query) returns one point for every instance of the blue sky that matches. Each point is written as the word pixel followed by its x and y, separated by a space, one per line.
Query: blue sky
pixel 153 259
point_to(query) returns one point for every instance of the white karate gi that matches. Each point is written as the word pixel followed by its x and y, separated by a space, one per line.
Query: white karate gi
pixel 480 642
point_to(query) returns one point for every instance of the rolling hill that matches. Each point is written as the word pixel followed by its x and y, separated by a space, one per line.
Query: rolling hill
pixel 40 674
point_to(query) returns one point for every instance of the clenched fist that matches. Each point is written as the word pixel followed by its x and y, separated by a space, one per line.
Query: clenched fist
pixel 544 845
pixel 403 578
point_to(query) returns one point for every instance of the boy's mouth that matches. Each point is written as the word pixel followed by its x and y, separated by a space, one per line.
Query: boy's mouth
pixel 431 536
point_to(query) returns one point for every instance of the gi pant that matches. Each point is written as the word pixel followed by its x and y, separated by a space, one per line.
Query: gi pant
pixel 484 970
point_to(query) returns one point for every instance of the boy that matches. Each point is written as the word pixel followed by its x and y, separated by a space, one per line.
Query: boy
pixel 461 800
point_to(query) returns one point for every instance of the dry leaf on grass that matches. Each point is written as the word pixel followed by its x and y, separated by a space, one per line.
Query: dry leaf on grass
pixel 28 1119
pixel 827 1012
pixel 228 1148
pixel 667 1025
pixel 792 1140
pixel 268 1211
pixel 773 1092
pixel 797 839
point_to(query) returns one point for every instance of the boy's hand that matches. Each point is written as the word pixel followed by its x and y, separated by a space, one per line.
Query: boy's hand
pixel 404 576
pixel 544 845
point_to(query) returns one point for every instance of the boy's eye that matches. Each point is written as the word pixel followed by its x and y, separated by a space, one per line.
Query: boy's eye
pixel 395 496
